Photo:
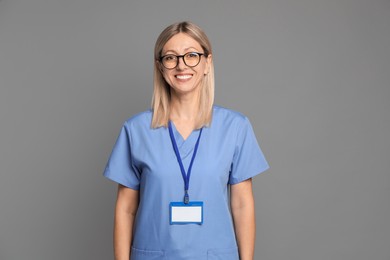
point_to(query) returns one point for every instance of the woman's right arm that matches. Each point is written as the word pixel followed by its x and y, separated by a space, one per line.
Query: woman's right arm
pixel 125 211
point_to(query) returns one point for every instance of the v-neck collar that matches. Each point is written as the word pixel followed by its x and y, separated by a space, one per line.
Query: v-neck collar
pixel 185 146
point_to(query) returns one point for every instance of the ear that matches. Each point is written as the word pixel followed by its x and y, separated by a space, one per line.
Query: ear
pixel 209 60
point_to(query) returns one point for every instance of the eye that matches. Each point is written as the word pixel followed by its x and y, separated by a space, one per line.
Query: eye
pixel 192 55
pixel 169 58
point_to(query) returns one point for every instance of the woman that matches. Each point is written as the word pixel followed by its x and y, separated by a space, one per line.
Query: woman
pixel 176 162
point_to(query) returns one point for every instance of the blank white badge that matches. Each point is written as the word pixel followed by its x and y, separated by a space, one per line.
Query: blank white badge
pixel 191 213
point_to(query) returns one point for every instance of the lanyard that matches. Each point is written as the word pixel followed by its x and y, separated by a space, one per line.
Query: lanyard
pixel 186 177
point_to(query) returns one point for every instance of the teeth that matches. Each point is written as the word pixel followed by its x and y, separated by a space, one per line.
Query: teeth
pixel 183 76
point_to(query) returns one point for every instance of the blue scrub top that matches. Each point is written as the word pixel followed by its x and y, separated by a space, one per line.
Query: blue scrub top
pixel 143 159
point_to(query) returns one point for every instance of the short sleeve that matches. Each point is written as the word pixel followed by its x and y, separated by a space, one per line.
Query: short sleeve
pixel 248 159
pixel 120 167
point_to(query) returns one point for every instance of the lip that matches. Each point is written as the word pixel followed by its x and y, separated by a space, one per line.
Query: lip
pixel 183 76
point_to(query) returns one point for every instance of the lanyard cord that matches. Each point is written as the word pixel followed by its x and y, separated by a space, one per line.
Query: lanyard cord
pixel 186 177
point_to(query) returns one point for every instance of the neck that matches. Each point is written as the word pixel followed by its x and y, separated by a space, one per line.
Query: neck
pixel 184 107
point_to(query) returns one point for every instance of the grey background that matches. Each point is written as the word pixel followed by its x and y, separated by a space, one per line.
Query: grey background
pixel 312 76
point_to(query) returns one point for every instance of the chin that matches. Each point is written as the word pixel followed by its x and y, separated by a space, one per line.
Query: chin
pixel 184 89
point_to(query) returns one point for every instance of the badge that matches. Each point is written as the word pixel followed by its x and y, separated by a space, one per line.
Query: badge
pixel 190 213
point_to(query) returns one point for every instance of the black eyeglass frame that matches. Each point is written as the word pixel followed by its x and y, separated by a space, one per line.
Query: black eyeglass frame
pixel 181 56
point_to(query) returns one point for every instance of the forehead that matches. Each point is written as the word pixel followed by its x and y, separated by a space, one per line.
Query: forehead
pixel 181 43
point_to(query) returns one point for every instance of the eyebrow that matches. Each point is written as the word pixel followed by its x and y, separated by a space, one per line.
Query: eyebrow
pixel 185 50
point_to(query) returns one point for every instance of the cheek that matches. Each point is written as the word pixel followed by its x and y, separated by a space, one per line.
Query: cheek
pixel 167 77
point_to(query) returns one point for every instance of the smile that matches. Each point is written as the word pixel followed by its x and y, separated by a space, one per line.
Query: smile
pixel 187 76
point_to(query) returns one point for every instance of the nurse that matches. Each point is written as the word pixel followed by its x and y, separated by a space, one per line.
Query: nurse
pixel 184 168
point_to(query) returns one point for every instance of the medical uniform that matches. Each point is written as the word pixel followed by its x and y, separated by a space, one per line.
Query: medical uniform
pixel 143 159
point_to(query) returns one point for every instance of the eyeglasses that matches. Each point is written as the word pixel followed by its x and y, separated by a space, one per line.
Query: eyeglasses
pixel 191 59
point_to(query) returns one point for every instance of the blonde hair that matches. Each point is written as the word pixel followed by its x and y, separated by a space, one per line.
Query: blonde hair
pixel 161 94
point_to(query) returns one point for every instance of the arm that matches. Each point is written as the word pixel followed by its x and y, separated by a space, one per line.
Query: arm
pixel 125 211
pixel 243 211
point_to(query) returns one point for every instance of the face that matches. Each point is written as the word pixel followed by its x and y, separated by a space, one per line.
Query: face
pixel 184 79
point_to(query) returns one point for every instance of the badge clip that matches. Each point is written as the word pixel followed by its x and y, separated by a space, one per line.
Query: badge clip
pixel 186 197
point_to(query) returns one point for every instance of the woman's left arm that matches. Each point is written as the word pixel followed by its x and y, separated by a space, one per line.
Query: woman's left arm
pixel 243 211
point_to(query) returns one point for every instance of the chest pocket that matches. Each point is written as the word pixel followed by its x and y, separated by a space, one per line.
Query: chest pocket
pixel 223 254
pixel 140 254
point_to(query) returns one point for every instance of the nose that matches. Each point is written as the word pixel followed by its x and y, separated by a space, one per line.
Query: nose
pixel 180 63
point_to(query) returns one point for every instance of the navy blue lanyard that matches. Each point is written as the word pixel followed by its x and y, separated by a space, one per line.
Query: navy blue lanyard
pixel 186 177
